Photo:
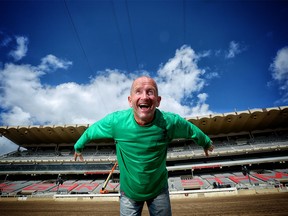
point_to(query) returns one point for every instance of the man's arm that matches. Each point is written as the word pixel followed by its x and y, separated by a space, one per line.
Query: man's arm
pixel 186 129
pixel 99 130
pixel 202 139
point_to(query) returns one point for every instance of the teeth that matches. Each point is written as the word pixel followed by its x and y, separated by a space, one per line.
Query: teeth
pixel 143 105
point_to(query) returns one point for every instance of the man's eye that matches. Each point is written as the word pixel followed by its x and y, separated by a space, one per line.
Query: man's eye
pixel 151 92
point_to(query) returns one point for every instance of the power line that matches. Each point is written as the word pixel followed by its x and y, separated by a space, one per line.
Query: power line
pixel 77 36
pixel 119 33
pixel 131 33
pixel 81 46
pixel 184 21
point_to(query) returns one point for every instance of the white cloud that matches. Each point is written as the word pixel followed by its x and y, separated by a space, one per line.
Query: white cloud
pixel 212 75
pixel 21 49
pixel 179 79
pixel 234 49
pixel 16 114
pixel 51 63
pixel 279 68
pixel 28 101
pixel 5 42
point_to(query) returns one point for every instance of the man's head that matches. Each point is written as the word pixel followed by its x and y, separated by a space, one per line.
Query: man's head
pixel 144 99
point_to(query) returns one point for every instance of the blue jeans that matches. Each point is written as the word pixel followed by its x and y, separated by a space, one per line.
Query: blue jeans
pixel 159 205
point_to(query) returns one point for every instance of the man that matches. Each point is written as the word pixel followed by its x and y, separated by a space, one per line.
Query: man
pixel 142 135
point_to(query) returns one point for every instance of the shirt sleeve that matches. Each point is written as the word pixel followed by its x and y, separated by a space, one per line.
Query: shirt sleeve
pixel 99 130
pixel 187 130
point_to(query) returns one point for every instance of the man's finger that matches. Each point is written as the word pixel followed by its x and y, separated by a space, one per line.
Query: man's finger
pixel 211 148
pixel 75 156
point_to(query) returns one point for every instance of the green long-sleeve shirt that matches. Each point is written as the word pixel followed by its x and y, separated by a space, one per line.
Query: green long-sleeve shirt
pixel 142 150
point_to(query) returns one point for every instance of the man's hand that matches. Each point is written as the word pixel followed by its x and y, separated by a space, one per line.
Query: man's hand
pixel 76 155
pixel 209 149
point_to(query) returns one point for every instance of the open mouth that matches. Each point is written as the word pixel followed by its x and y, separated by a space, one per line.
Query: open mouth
pixel 144 106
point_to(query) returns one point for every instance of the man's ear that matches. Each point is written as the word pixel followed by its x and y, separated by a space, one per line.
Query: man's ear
pixel 158 101
pixel 130 101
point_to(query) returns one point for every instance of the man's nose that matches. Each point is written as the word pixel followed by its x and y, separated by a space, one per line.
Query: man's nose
pixel 144 95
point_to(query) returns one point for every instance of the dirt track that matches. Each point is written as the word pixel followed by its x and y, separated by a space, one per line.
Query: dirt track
pixel 269 204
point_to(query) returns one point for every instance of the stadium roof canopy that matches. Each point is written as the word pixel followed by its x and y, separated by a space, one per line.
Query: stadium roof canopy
pixel 244 121
pixel 213 125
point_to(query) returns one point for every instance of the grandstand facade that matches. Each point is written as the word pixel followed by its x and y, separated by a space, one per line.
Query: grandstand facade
pixel 251 151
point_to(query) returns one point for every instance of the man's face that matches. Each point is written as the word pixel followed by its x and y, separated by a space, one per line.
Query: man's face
pixel 144 99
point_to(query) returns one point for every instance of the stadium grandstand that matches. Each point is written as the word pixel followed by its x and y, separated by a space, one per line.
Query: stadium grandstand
pixel 251 153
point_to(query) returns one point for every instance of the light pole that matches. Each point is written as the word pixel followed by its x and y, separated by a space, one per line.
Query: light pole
pixel 59 182
pixel 246 172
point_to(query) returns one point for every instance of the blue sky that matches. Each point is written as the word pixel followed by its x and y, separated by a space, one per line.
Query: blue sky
pixel 72 62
